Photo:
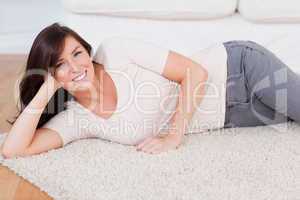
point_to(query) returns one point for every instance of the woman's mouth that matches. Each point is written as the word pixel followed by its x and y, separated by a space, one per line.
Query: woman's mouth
pixel 80 76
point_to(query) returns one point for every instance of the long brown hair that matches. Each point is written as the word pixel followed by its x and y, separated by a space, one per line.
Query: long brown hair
pixel 43 56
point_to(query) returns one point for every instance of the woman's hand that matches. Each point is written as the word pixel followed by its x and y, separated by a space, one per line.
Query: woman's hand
pixel 51 81
pixel 160 143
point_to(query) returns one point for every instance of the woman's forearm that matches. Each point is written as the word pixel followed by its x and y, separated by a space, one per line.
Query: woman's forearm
pixel 22 132
pixel 190 96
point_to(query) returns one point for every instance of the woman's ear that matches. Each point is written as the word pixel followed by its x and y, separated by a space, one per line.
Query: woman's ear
pixel 92 53
pixel 91 58
pixel 52 70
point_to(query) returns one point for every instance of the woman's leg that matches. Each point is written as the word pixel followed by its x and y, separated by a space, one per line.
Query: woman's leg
pixel 261 88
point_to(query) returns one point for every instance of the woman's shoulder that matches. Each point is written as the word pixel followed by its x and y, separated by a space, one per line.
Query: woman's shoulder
pixel 78 110
pixel 110 52
pixel 71 115
pixel 70 109
pixel 210 53
pixel 73 105
pixel 112 44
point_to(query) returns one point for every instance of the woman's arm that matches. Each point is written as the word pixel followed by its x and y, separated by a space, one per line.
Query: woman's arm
pixel 22 133
pixel 192 78
pixel 190 97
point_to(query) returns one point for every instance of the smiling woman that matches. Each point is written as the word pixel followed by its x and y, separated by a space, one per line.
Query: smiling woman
pixel 35 93
pixel 46 53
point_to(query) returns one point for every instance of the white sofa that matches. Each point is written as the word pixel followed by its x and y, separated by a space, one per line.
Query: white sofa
pixel 187 26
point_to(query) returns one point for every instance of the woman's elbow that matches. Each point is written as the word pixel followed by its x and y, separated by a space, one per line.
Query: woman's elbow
pixel 8 153
pixel 201 72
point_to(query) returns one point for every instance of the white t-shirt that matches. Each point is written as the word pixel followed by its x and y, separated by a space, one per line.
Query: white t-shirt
pixel 146 99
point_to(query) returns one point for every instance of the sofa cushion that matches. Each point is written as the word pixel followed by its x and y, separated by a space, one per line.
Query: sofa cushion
pixel 270 10
pixel 167 9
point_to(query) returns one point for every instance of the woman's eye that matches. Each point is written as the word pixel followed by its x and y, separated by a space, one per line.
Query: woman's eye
pixel 77 53
pixel 60 65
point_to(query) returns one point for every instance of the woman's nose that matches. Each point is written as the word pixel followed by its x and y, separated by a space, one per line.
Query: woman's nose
pixel 74 66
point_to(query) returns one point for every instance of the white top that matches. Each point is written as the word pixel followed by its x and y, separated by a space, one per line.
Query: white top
pixel 146 99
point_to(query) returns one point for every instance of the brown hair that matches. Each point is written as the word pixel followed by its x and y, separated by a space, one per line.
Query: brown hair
pixel 43 56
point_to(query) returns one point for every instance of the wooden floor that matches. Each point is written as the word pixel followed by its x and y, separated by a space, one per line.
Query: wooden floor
pixel 11 185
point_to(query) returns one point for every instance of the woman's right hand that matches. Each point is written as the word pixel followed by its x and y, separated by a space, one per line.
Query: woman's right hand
pixel 51 81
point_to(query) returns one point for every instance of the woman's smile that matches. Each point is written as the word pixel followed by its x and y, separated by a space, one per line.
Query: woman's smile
pixel 80 77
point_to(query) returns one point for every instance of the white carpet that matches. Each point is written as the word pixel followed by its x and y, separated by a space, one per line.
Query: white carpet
pixel 238 163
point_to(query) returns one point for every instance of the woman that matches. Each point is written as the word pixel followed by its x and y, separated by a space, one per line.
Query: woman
pixel 67 95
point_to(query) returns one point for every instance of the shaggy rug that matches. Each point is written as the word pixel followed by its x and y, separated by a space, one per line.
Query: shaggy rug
pixel 237 163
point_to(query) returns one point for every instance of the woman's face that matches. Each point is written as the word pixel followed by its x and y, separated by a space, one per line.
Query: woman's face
pixel 74 68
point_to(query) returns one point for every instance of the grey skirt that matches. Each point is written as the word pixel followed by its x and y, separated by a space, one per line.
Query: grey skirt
pixel 260 88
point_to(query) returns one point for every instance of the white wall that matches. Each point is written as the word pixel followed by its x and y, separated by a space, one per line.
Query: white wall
pixel 21 21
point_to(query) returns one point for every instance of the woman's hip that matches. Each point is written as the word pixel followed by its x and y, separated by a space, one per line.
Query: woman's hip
pixel 252 68
pixel 248 63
